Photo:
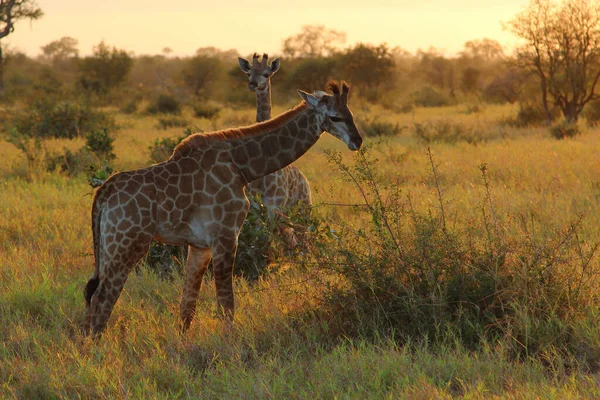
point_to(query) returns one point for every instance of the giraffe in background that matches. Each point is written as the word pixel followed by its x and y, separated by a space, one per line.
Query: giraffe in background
pixel 197 198
pixel 288 186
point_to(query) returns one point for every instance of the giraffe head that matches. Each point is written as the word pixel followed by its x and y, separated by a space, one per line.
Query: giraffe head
pixel 259 72
pixel 333 114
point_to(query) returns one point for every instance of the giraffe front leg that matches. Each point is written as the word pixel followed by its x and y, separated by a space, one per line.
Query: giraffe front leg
pixel 223 260
pixel 196 264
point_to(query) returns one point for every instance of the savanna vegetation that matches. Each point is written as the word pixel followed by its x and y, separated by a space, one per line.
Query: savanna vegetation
pixel 456 255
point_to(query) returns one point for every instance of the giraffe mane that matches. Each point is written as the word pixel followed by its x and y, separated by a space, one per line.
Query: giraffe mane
pixel 187 145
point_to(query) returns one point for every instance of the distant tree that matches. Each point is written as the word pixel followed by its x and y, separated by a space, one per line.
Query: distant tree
pixel 228 56
pixel 437 70
pixel 562 48
pixel 469 81
pixel 484 49
pixel 313 41
pixel 311 74
pixel 61 49
pixel 200 72
pixel 10 12
pixel 368 66
pixel 507 87
pixel 104 69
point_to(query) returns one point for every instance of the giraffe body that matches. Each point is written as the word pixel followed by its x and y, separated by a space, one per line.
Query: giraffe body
pixel 197 198
pixel 288 186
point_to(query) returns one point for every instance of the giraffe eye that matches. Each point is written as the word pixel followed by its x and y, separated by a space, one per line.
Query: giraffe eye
pixel 333 118
pixel 266 75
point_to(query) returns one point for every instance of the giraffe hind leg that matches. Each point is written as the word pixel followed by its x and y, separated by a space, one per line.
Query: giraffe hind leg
pixel 88 292
pixel 113 277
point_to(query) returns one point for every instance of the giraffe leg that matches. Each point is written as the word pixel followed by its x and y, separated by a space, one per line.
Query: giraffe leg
pixel 89 291
pixel 223 260
pixel 196 264
pixel 111 282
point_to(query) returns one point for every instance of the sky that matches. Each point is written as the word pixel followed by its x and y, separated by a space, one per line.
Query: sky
pixel 148 26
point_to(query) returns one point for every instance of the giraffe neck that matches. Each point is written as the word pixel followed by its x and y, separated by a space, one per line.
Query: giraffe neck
pixel 258 155
pixel 263 103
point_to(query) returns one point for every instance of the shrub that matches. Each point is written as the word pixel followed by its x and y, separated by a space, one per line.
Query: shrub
pixel 565 130
pixel 445 131
pixel 531 115
pixel 208 111
pixel 60 119
pixel 100 175
pixel 411 274
pixel 166 260
pixel 429 97
pixel 101 144
pixel 164 104
pixel 376 127
pixel 265 237
pixel 592 112
pixel 255 242
pixel 130 107
pixel 162 148
pixel 171 122
pixel 98 149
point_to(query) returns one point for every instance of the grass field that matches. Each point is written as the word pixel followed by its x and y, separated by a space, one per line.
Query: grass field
pixel 545 196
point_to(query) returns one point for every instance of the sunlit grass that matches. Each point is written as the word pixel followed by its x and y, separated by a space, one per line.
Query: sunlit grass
pixel 277 348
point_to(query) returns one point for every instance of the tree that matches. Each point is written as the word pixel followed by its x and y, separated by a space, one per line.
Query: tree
pixel 311 74
pixel 368 66
pixel 484 49
pixel 104 69
pixel 562 48
pixel 200 72
pixel 313 41
pixel 10 12
pixel 61 49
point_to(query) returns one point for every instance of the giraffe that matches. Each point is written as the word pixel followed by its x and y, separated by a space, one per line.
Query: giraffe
pixel 288 186
pixel 197 198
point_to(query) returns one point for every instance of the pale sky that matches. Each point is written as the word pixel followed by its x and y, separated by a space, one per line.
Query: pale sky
pixel 147 26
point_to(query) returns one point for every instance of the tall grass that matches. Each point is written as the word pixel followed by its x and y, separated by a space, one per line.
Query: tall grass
pixel 462 270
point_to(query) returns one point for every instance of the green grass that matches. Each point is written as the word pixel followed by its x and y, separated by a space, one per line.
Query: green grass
pixel 282 345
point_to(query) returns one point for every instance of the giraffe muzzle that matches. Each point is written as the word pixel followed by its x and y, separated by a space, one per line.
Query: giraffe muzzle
pixel 355 144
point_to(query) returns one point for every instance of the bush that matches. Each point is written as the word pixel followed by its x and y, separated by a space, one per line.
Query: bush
pixel 208 111
pixel 375 127
pixel 411 274
pixel 265 237
pixel 130 107
pixel 164 104
pixel 444 131
pixel 565 130
pixel 98 150
pixel 166 260
pixel 592 112
pixel 429 97
pixel 531 115
pixel 171 122
pixel 101 144
pixel 162 148
pixel 60 119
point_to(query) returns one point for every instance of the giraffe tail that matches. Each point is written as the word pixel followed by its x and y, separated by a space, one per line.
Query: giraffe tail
pixel 97 209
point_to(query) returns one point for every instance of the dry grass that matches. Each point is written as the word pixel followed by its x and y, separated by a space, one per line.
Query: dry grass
pixel 276 349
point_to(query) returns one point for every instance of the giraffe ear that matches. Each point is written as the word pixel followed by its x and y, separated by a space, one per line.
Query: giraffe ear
pixel 244 64
pixel 274 66
pixel 311 100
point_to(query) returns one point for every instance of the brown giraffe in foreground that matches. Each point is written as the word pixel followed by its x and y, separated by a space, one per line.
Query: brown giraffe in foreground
pixel 288 186
pixel 197 198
